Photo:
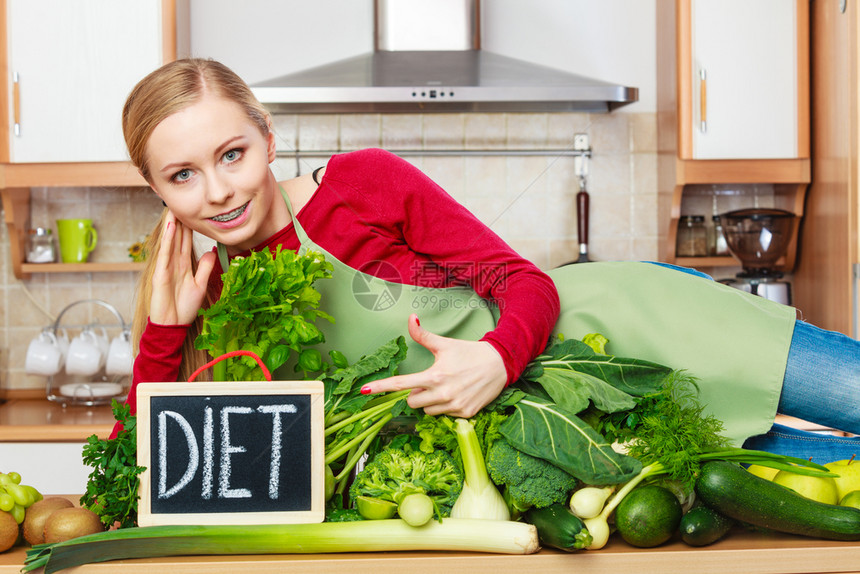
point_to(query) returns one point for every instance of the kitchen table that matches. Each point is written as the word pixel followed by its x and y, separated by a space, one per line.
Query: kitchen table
pixel 741 551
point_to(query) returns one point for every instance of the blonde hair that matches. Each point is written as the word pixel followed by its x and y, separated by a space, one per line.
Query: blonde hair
pixel 164 92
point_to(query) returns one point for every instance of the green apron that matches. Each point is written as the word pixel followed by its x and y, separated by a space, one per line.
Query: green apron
pixel 736 344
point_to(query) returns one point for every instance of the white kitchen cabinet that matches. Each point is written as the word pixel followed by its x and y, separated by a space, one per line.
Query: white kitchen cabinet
pixel 75 62
pixel 743 79
pixel 49 467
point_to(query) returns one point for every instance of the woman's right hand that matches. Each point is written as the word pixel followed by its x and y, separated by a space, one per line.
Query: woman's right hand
pixel 177 291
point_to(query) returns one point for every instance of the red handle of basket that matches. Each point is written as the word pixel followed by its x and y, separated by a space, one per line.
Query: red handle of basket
pixel 254 356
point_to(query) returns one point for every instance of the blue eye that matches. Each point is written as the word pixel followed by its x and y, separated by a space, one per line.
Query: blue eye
pixel 232 155
pixel 182 175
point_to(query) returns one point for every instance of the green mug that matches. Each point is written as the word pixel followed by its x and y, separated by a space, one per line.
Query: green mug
pixel 77 238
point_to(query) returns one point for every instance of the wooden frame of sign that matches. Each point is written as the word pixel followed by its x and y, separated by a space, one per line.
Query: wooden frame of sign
pixel 231 452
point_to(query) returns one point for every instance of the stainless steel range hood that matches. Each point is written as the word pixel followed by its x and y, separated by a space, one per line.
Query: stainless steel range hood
pixel 427 58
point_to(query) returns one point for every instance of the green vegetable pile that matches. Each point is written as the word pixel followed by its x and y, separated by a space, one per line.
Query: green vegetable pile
pixel 546 436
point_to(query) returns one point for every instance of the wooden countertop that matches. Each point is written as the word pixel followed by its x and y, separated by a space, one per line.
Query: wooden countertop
pixel 741 551
pixel 39 420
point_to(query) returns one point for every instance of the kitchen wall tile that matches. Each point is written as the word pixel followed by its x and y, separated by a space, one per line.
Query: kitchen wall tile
pixel 563 127
pixel 485 131
pixel 360 131
pixel 286 128
pixel 609 173
pixel 562 252
pixel 643 128
pixel 644 174
pixel 609 216
pixel 401 131
pixel 610 133
pixel 316 132
pixel 527 131
pixel 444 131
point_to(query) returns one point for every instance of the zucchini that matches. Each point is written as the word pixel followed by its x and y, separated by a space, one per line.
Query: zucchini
pixel 558 527
pixel 702 525
pixel 735 492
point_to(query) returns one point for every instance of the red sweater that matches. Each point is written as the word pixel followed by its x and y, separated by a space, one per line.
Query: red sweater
pixel 372 206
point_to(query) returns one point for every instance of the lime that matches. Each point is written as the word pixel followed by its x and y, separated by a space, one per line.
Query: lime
pixel 375 508
pixel 648 516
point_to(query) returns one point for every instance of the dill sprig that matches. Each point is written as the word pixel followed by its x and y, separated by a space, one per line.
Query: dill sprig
pixel 673 430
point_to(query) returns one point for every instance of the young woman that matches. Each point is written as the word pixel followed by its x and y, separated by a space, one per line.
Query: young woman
pixel 475 311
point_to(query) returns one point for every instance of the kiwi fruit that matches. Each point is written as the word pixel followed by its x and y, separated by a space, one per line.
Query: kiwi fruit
pixel 37 514
pixel 8 531
pixel 67 523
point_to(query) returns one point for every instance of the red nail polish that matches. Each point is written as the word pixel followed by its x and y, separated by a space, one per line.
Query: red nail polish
pixel 365 390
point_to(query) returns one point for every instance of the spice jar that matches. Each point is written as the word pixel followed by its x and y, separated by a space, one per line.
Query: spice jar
pixel 717 244
pixel 40 246
pixel 692 237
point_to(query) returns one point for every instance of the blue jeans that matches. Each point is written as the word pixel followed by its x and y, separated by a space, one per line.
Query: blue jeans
pixel 822 386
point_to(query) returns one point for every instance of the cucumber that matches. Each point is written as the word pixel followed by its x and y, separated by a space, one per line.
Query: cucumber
pixel 733 491
pixel 559 527
pixel 703 525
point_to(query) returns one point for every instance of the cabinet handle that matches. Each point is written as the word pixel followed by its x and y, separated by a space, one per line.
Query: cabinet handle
pixel 16 104
pixel 703 101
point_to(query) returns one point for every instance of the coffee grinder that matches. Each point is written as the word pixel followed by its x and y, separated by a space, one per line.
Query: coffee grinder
pixel 758 237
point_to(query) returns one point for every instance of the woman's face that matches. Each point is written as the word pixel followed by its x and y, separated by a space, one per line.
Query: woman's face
pixel 210 164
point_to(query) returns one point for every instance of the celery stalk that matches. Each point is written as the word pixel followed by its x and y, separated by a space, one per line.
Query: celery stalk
pixel 496 536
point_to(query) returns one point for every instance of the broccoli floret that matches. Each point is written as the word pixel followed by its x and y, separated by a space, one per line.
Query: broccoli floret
pixel 394 473
pixel 343 515
pixel 528 480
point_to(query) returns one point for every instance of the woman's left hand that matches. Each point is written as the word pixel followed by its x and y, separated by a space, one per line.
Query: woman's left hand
pixel 464 378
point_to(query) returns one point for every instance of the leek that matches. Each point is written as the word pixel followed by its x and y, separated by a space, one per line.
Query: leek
pixel 501 537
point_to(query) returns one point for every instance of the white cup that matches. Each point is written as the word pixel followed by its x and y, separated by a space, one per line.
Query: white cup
pixel 119 356
pixel 85 354
pixel 63 341
pixel 101 337
pixel 44 355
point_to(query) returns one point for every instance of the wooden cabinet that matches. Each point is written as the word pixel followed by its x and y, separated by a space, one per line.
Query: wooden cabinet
pixel 743 79
pixel 71 66
pixel 75 64
pixel 825 282
pixel 743 103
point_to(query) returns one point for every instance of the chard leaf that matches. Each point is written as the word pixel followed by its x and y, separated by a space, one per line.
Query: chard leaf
pixel 548 431
pixel 572 390
pixel 633 376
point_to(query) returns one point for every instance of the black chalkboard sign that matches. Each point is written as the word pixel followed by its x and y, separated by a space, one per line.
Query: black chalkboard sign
pixel 230 453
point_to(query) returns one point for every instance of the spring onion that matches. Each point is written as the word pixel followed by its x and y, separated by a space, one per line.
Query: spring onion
pixel 501 537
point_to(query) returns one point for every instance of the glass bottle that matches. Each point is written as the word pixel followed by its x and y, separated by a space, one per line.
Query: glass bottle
pixel 718 245
pixel 40 246
pixel 692 238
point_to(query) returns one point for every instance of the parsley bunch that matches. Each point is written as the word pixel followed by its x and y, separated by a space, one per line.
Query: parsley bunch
pixel 112 486
pixel 268 306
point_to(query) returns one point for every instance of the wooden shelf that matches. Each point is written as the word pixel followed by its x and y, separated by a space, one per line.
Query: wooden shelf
pixel 28 268
pixel 104 174
pixel 16 180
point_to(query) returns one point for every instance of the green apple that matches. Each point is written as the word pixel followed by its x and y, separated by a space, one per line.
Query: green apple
pixel 849 475
pixel 851 499
pixel 765 472
pixel 820 488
